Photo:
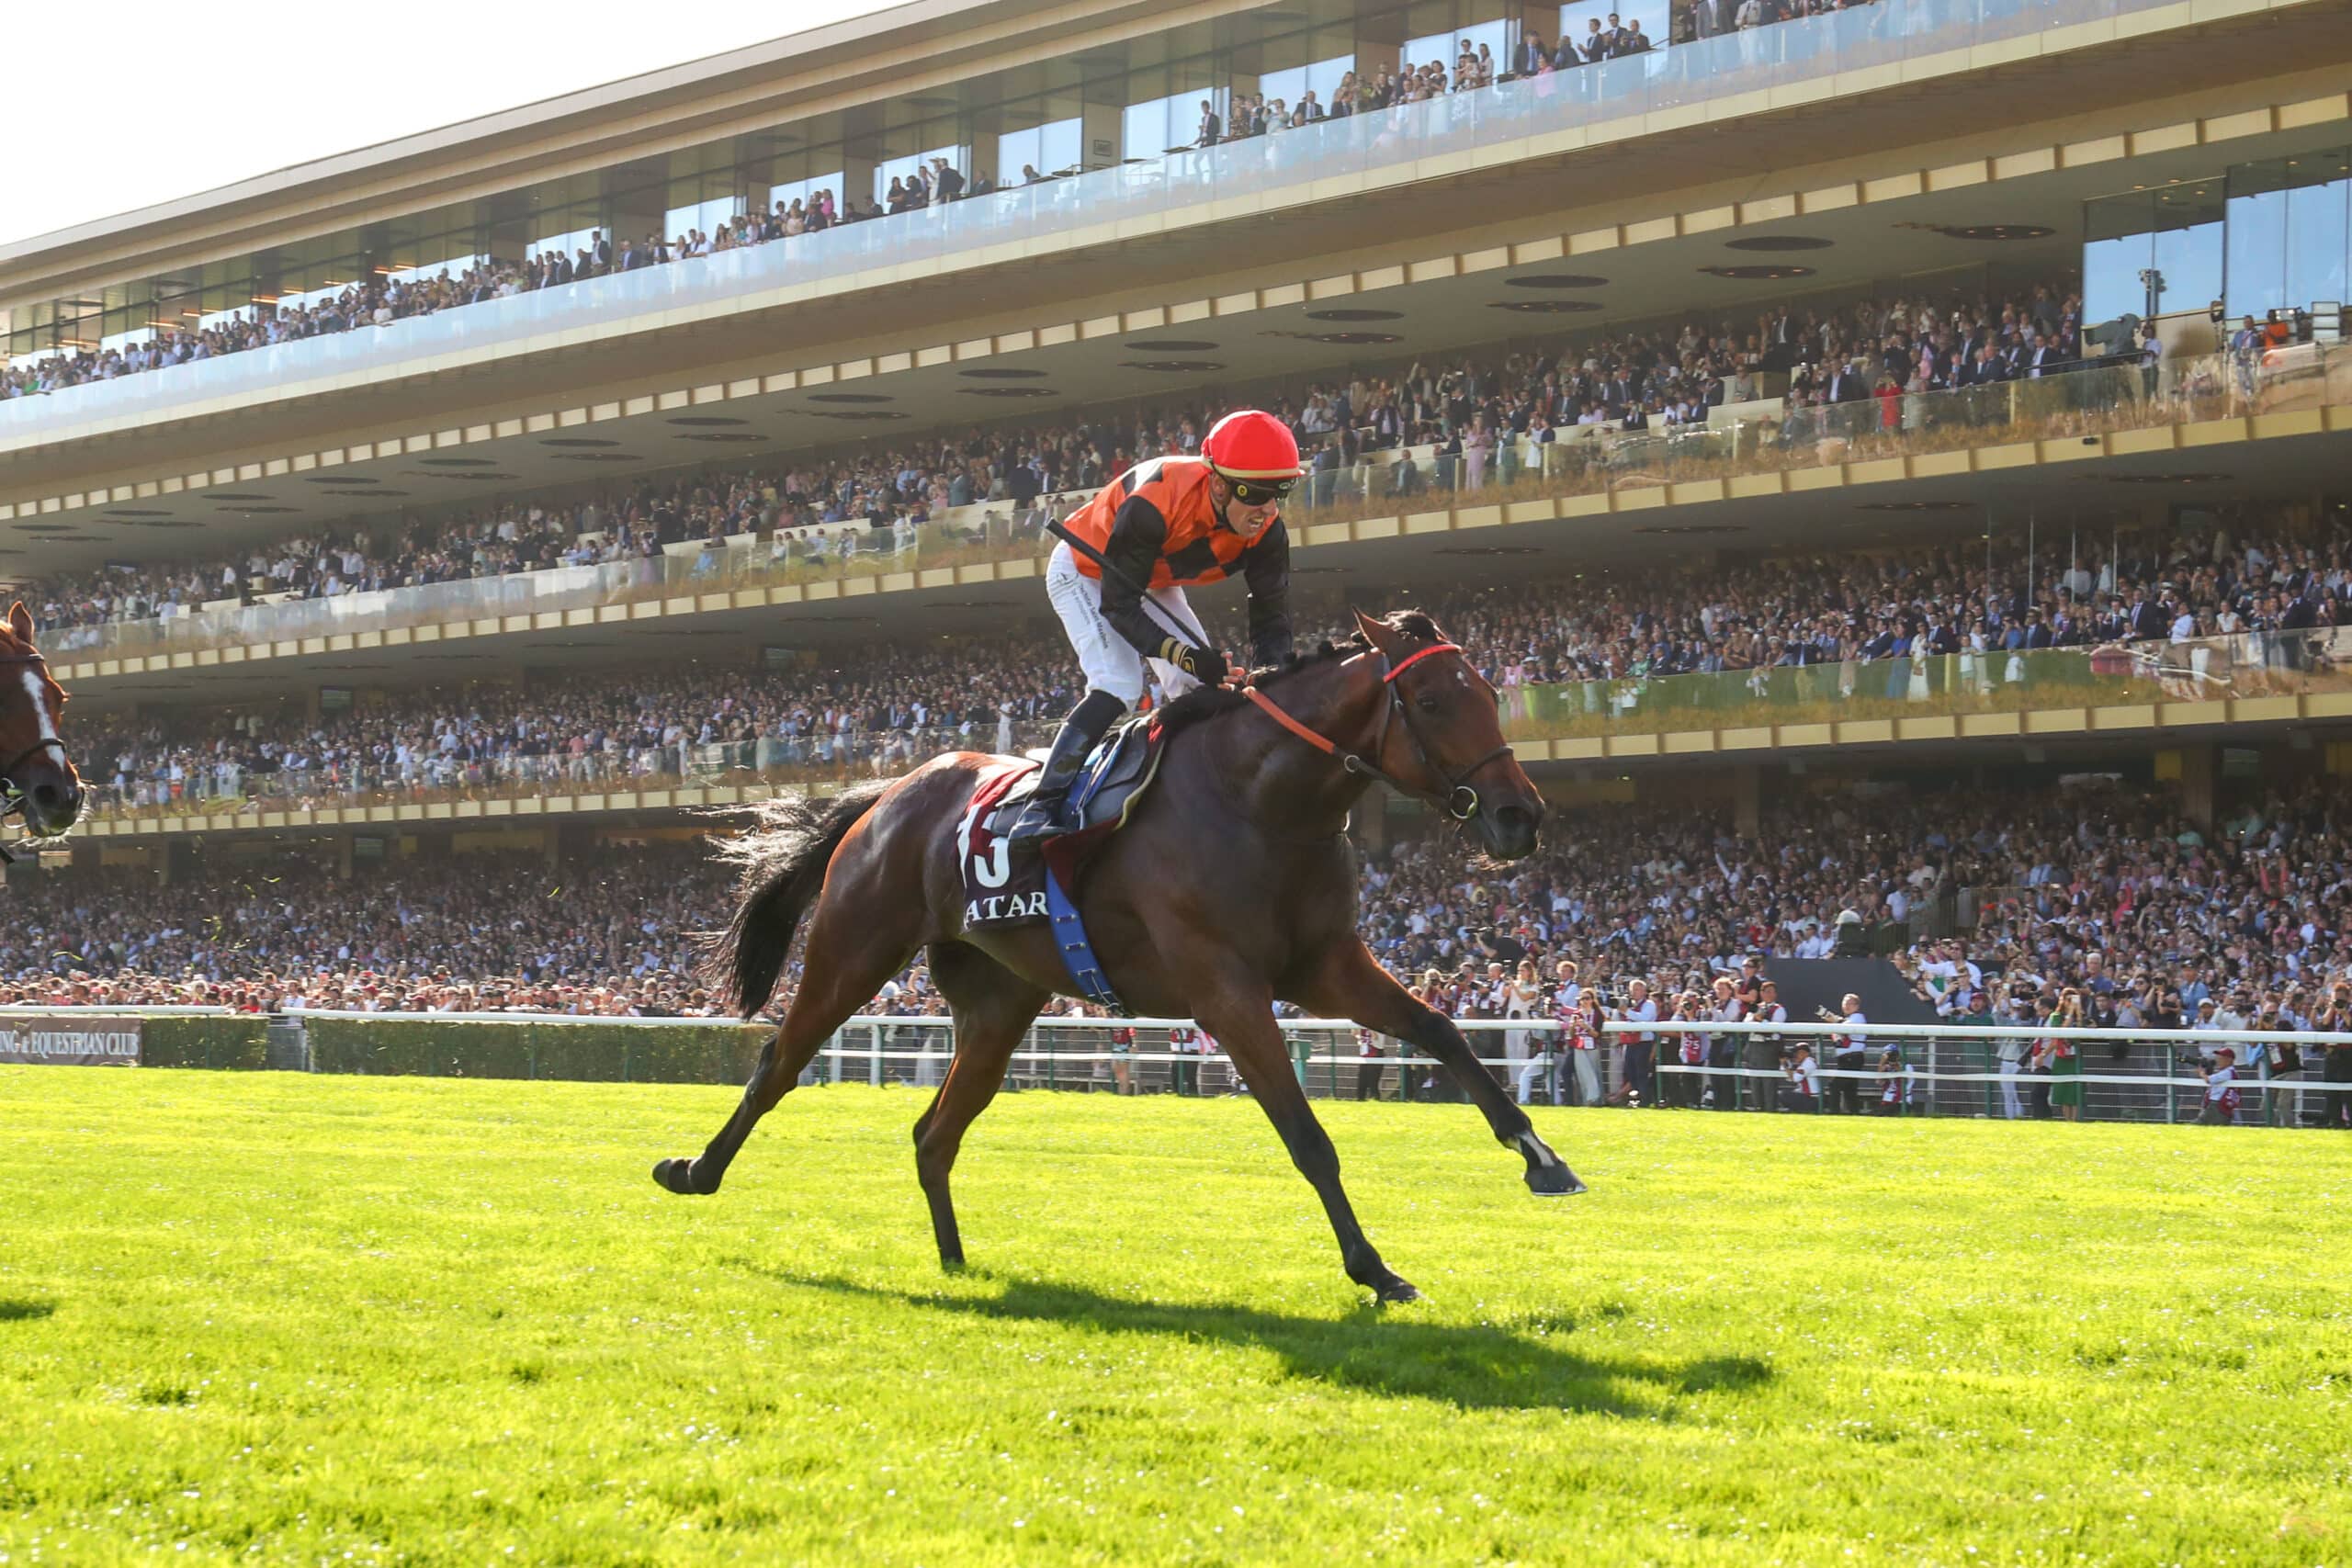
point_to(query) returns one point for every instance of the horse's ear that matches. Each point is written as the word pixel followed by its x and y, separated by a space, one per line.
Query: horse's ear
pixel 20 621
pixel 1378 633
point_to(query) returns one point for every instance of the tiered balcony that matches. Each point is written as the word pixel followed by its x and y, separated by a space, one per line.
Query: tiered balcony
pixel 1922 445
pixel 1873 46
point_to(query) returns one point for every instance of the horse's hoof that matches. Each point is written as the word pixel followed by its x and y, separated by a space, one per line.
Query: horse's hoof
pixel 1396 1290
pixel 676 1175
pixel 1553 1182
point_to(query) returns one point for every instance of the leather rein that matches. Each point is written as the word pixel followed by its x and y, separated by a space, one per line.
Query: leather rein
pixel 1458 800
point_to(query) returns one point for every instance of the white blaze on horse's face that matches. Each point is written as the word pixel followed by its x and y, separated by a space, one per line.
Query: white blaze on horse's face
pixel 37 695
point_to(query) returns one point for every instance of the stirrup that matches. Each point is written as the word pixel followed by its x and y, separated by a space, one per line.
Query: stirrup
pixel 1040 818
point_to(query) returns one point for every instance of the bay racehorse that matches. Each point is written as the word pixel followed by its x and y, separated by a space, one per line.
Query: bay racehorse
pixel 37 777
pixel 1231 886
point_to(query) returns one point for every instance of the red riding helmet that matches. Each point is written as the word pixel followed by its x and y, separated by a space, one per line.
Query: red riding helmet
pixel 1250 443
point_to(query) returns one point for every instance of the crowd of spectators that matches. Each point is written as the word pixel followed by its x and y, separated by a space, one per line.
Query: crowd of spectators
pixel 2089 905
pixel 885 705
pixel 881 712
pixel 480 933
pixel 389 297
pixel 1466 406
pixel 2091 902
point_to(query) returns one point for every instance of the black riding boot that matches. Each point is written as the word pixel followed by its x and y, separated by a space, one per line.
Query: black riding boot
pixel 1080 733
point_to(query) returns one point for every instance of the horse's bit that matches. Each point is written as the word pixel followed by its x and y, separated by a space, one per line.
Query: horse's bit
pixel 1459 801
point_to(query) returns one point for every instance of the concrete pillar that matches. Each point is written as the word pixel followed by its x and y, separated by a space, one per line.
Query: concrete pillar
pixel 343 857
pixel 858 184
pixel 2197 769
pixel 1747 800
pixel 1099 136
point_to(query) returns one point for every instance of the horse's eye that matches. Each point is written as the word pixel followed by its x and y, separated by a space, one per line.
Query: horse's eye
pixel 1427 704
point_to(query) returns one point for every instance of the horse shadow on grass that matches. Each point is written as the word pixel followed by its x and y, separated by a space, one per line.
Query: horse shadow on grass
pixel 1476 1367
pixel 13 1310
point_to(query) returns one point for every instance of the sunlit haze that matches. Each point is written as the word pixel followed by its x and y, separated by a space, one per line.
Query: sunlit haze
pixel 98 138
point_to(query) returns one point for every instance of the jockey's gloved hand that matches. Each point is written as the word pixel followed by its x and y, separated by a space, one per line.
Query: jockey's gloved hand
pixel 1206 665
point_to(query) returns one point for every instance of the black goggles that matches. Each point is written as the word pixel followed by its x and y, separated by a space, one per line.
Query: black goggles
pixel 1257 492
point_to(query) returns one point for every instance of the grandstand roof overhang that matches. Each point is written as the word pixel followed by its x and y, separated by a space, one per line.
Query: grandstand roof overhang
pixel 2171 55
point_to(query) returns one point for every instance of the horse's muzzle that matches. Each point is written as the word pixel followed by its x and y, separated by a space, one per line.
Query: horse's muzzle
pixel 1509 831
pixel 51 798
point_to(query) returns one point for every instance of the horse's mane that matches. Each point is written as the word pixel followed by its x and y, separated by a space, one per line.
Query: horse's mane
pixel 1208 702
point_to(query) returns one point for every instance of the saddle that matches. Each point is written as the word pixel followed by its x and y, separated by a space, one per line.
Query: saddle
pixel 1109 783
pixel 1000 892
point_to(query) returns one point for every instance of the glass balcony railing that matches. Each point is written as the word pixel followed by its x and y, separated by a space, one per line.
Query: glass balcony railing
pixel 1758 60
pixel 227 788
pixel 835 554
pixel 2086 402
pixel 2200 668
pixel 1585 460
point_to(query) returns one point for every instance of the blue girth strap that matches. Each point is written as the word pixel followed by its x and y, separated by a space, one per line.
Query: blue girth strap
pixel 1078 953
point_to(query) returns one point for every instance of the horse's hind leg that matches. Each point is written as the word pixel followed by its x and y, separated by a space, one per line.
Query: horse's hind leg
pixel 992 1007
pixel 847 962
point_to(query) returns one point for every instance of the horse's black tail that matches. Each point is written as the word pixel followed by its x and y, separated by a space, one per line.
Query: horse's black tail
pixel 783 860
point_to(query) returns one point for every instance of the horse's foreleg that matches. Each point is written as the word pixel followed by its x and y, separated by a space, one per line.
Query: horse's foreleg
pixel 992 1009
pixel 1353 984
pixel 1244 1025
pixel 846 964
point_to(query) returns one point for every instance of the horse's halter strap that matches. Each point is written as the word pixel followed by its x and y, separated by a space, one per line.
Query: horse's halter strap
pixel 13 796
pixel 1458 799
pixel 12 799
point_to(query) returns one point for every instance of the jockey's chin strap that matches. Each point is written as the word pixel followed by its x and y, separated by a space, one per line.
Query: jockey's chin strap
pixel 1458 799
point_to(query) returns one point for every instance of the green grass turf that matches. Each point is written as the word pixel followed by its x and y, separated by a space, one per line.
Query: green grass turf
pixel 275 1318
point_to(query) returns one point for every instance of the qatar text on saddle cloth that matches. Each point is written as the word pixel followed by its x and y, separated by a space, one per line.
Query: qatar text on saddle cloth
pixel 1000 889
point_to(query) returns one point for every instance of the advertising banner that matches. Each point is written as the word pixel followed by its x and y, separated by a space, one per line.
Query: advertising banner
pixel 70 1039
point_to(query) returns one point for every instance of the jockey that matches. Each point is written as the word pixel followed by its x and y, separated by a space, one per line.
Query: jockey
pixel 1161 526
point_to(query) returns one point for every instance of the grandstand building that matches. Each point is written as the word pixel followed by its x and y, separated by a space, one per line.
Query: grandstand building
pixel 660 383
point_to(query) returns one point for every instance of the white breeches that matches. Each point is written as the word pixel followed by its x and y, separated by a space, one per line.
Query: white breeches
pixel 1110 663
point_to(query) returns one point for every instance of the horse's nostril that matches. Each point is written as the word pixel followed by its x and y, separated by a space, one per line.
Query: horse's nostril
pixel 53 801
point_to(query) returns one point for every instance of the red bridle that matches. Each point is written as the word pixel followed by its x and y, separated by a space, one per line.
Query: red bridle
pixel 1459 801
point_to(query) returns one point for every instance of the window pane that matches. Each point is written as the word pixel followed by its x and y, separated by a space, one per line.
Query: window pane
pixel 1158 125
pixel 2117 248
pixel 804 191
pixel 1445 48
pixel 2257 240
pixel 1577 16
pixel 455 267
pixel 571 242
pixel 709 216
pixel 1049 149
pixel 2315 235
pixel 1061 145
pixel 2188 261
pixel 1322 78
pixel 911 167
